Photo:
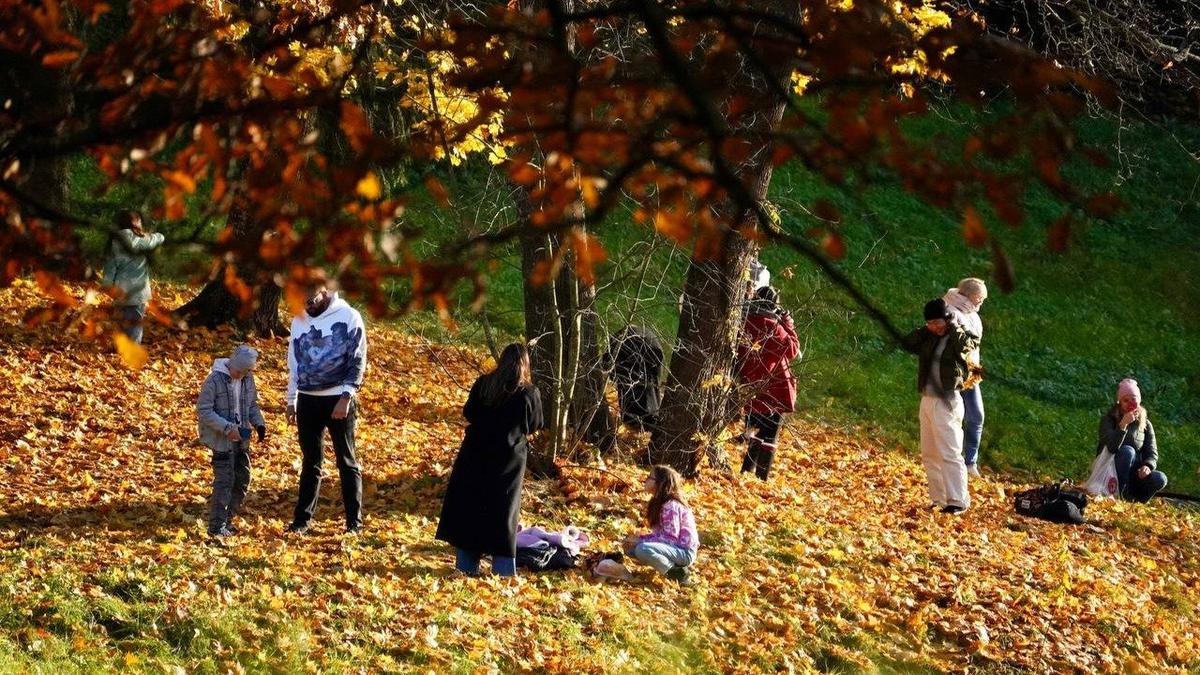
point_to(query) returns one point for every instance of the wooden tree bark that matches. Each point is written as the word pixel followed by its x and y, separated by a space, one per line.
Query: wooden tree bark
pixel 216 305
pixel 592 419
pixel 566 357
pixel 46 90
pixel 559 313
pixel 542 326
pixel 696 403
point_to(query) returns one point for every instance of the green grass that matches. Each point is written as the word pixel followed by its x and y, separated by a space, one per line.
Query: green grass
pixel 1121 302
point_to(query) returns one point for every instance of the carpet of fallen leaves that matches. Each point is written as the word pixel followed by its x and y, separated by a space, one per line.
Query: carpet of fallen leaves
pixel 834 564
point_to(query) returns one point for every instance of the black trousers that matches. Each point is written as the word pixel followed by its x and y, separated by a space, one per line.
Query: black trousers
pixel 761 432
pixel 314 414
pixel 766 425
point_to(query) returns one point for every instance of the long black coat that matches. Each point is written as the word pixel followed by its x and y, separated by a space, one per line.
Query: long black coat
pixel 483 498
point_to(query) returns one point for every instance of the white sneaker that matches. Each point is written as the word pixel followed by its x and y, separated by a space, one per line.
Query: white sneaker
pixel 973 471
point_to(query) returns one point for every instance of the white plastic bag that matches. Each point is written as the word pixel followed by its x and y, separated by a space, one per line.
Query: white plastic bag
pixel 1102 481
pixel 611 569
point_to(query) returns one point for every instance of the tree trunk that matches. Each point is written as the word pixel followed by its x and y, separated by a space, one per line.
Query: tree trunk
pixel 593 420
pixel 47 90
pixel 697 403
pixel 560 314
pixel 216 305
pixel 566 358
pixel 541 327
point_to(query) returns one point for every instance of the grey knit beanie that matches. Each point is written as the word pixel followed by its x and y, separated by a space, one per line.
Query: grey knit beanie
pixel 243 358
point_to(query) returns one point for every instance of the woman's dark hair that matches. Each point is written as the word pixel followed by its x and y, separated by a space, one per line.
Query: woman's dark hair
pixel 765 302
pixel 510 375
pixel 125 219
pixel 768 294
pixel 668 485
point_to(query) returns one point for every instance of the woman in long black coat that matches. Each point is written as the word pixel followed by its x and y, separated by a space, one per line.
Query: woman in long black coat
pixel 483 498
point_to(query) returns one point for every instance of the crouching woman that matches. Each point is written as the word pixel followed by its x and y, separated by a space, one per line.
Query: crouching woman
pixel 1126 431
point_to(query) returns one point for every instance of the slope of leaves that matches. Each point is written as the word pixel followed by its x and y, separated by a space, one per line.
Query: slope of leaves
pixel 834 564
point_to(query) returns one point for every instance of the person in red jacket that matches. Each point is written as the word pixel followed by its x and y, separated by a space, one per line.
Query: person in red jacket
pixel 765 352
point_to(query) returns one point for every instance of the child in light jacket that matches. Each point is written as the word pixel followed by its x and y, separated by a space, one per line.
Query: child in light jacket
pixel 670 547
pixel 227 410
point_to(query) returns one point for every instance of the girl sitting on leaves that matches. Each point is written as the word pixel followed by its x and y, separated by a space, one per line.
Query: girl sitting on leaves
pixel 670 547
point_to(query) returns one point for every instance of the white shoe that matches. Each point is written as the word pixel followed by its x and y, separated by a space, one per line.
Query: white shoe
pixel 973 471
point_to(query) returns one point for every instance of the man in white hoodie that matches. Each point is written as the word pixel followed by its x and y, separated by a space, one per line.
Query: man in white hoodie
pixel 327 355
pixel 964 303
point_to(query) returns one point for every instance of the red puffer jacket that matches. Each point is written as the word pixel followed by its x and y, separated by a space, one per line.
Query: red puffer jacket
pixel 765 352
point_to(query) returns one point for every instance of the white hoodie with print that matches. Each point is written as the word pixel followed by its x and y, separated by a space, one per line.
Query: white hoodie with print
pixel 327 354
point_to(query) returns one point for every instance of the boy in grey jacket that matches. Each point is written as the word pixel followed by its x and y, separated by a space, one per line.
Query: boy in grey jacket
pixel 227 409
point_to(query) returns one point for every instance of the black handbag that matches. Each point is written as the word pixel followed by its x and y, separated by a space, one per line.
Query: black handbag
pixel 1058 502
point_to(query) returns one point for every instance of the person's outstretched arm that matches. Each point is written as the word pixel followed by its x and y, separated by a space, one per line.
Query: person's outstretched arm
pixel 911 343
pixel 139 243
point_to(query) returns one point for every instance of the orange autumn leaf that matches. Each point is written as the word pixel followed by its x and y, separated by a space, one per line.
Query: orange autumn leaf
pixel 834 245
pixel 438 191
pixel 60 58
pixel 181 180
pixel 132 353
pixel 369 187
pixel 974 233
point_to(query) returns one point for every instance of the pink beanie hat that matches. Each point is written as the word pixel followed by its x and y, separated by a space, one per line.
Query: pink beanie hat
pixel 1129 387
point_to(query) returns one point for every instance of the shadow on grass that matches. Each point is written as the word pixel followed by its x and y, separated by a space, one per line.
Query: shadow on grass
pixel 395 493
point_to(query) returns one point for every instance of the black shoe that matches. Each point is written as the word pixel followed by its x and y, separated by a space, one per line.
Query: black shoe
pixel 953 509
pixel 231 528
pixel 297 528
pixel 680 575
pixel 354 530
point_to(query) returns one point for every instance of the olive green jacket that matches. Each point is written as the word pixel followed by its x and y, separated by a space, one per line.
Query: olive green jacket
pixel 959 343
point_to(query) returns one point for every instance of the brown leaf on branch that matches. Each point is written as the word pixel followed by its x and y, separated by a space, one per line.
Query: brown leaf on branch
pixel 834 245
pixel 974 232
pixel 60 58
pixel 1103 206
pixel 438 191
pixel 1002 269
pixel 1058 237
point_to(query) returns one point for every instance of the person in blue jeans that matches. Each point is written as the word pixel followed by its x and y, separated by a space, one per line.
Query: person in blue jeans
pixel 127 271
pixel 1126 431
pixel 483 496
pixel 670 547
pixel 964 302
pixel 227 409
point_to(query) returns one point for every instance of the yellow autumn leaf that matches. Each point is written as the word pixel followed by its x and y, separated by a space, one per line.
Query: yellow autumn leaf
pixel 133 354
pixel 369 186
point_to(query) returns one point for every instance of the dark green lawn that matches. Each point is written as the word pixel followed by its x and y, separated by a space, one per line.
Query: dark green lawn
pixel 1120 303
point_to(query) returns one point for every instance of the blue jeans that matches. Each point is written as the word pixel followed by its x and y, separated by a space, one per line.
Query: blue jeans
pixel 1129 485
pixel 132 317
pixel 662 557
pixel 467 562
pixel 972 424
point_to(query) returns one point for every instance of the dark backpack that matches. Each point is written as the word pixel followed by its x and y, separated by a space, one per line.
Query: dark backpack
pixel 1057 502
pixel 541 559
